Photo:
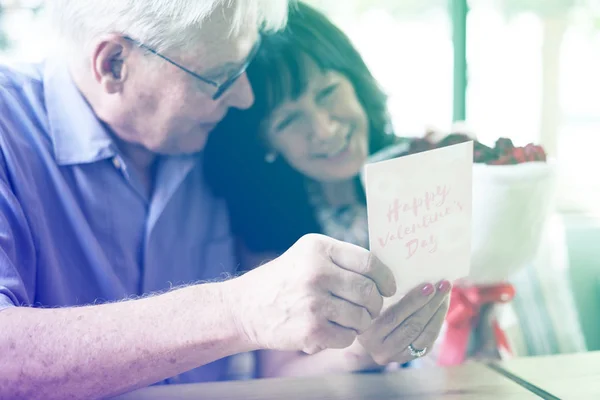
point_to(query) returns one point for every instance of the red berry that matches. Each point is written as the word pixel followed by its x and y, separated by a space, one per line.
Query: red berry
pixel 530 152
pixel 519 155
pixel 540 153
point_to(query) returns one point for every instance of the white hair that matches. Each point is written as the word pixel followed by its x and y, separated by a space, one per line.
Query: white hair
pixel 161 24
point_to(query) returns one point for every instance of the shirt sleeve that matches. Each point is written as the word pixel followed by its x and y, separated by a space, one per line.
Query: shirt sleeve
pixel 17 250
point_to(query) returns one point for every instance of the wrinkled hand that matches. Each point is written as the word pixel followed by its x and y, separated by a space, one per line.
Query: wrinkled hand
pixel 415 320
pixel 319 294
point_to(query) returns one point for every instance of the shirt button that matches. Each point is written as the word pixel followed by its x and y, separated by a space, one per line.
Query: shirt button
pixel 116 162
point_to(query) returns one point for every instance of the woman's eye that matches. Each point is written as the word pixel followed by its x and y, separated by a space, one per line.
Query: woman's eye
pixel 286 122
pixel 327 91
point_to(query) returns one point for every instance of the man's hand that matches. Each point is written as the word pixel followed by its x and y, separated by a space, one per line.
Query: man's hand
pixel 415 320
pixel 319 294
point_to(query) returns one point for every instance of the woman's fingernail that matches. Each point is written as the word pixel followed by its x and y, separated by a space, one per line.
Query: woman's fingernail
pixel 428 289
pixel 444 286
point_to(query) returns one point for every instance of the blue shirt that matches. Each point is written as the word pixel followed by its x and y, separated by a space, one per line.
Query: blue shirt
pixel 75 228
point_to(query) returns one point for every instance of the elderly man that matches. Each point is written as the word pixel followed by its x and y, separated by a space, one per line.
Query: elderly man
pixel 107 229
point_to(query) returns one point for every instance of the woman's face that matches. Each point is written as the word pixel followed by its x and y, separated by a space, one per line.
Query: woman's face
pixel 324 133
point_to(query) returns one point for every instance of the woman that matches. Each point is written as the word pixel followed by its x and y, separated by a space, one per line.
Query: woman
pixel 319 113
pixel 294 168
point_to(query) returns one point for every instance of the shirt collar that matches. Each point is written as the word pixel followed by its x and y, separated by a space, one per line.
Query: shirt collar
pixel 78 136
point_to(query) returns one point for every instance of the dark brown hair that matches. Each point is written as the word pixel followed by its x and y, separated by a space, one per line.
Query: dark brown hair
pixel 268 203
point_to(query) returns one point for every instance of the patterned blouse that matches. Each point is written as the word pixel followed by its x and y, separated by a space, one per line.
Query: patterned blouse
pixel 349 223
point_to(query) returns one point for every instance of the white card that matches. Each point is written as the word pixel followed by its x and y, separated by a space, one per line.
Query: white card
pixel 419 209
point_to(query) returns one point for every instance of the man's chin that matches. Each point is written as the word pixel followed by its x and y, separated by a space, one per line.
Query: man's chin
pixel 193 142
pixel 184 146
pixel 208 128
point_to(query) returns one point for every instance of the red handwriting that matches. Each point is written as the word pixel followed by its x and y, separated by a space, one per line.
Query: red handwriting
pixel 404 231
pixel 413 245
pixel 411 233
pixel 429 200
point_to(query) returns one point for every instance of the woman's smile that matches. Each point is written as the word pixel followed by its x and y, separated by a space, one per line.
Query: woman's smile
pixel 340 148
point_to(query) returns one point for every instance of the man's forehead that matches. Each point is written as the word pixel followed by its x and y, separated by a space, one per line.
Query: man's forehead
pixel 219 45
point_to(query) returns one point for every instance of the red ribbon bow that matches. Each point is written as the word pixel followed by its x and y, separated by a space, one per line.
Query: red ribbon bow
pixel 463 316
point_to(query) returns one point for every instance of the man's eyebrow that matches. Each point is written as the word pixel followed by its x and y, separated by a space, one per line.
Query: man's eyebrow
pixel 234 65
pixel 223 67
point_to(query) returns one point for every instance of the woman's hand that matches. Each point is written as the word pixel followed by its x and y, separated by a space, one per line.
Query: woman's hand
pixel 414 322
pixel 356 358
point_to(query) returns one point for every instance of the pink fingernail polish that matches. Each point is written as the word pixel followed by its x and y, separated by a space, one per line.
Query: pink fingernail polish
pixel 428 289
pixel 444 286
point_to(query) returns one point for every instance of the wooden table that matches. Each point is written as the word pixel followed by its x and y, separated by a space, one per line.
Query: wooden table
pixel 468 382
pixel 574 376
pixel 558 377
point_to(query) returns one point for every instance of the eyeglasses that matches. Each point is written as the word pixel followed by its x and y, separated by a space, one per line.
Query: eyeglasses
pixel 221 87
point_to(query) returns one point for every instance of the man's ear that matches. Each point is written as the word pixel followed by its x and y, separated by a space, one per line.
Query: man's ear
pixel 109 64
